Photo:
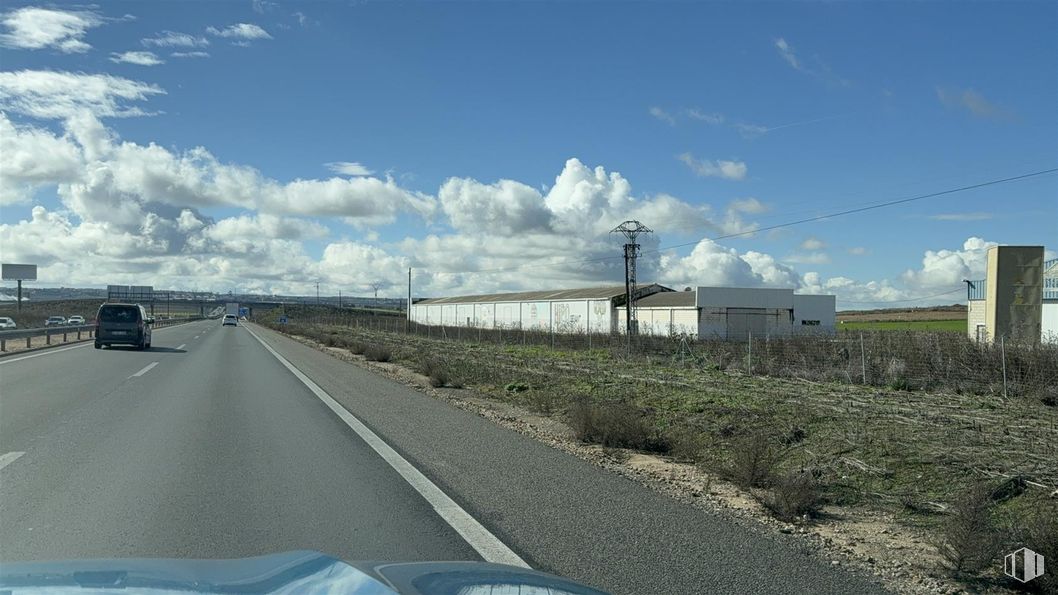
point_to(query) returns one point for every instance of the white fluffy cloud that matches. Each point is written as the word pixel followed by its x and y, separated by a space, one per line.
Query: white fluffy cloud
pixel 174 39
pixel 138 58
pixel 133 213
pixel 189 55
pixel 729 170
pixel 34 28
pixel 947 268
pixel 712 264
pixel 241 31
pixel 31 158
pixel 48 94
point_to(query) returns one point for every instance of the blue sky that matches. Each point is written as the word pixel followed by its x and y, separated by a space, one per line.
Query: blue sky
pixel 813 107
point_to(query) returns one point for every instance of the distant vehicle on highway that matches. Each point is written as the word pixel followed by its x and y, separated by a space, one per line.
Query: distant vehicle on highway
pixel 75 320
pixel 55 321
pixel 230 320
pixel 123 324
pixel 6 323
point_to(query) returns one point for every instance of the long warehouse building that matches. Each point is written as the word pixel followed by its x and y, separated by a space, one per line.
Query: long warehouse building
pixel 706 312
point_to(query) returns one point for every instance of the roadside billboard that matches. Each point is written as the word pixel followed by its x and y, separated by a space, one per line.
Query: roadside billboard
pixel 16 272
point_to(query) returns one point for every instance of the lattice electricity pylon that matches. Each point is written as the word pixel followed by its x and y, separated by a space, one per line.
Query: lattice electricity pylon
pixel 631 230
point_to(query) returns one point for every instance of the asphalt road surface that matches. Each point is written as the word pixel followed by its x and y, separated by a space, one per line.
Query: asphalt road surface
pixel 209 446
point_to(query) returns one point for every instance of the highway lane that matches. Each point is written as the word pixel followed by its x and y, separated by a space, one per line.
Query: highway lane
pixel 214 452
pixel 41 384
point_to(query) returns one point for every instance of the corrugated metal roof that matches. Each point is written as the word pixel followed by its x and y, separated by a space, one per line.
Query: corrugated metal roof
pixel 684 299
pixel 586 293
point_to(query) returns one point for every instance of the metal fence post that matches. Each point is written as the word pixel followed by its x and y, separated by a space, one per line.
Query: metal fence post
pixel 863 360
pixel 1003 356
pixel 749 366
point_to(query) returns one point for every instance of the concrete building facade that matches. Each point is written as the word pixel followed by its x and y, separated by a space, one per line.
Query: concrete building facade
pixel 735 313
pixel 1010 301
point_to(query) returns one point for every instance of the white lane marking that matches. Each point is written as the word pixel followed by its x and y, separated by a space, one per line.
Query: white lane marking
pixel 145 369
pixel 11 360
pixel 479 538
pixel 182 345
pixel 8 458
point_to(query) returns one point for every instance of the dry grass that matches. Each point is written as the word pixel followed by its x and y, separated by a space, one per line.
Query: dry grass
pixel 793 495
pixel 378 353
pixel 968 540
pixel 615 424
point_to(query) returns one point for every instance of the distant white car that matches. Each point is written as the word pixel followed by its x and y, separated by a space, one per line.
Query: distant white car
pixel 55 321
pixel 230 320
pixel 6 323
pixel 75 320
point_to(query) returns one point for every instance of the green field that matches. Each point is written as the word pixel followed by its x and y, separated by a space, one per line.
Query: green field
pixel 949 326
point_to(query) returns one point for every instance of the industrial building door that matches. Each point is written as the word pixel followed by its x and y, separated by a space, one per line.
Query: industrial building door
pixel 742 322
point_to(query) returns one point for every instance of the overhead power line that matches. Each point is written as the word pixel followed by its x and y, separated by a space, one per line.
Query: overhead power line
pixel 842 213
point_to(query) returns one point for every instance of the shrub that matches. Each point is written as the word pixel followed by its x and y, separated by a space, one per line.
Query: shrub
pixel 615 424
pixel 356 347
pixel 793 495
pixel 378 353
pixel 542 401
pixel 753 461
pixel 968 538
pixel 434 369
pixel 686 444
pixel 516 387
pixel 1049 395
pixel 1039 533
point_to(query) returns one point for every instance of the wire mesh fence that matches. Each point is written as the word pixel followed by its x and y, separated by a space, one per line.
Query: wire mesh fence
pixel 905 360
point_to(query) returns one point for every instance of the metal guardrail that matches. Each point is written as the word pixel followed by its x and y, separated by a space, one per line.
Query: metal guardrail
pixel 79 332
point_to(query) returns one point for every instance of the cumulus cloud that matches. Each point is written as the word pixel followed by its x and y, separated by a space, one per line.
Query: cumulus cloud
pixel 505 207
pixel 349 168
pixel 138 58
pixel 48 94
pixel 729 170
pixel 141 214
pixel 947 268
pixel 174 39
pixel 240 31
pixel 710 264
pixel 114 179
pixel 34 28
pixel 858 251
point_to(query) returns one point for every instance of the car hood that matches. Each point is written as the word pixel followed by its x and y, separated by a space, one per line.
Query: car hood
pixel 289 572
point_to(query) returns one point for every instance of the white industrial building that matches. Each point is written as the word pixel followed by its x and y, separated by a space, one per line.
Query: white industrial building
pixel 734 313
pixel 563 311
pixel 706 312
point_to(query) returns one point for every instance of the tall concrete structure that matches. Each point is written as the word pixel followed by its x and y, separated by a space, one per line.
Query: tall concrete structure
pixel 1011 303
